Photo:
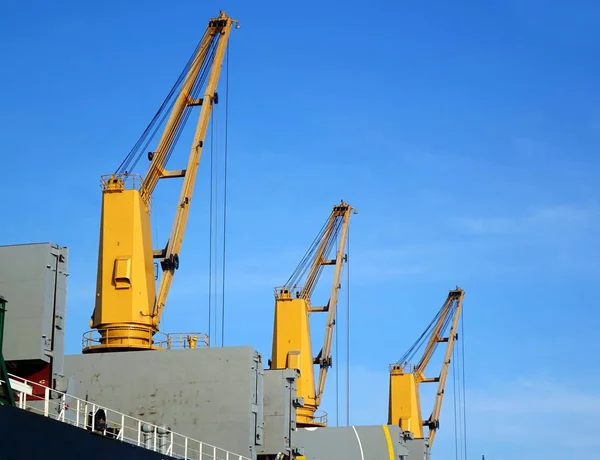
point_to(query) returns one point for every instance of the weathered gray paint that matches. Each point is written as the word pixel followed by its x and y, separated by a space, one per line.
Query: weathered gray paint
pixel 33 279
pixel 418 449
pixel 279 414
pixel 210 394
pixel 352 443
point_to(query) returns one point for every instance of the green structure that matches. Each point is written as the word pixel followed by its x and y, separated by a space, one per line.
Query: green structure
pixel 7 396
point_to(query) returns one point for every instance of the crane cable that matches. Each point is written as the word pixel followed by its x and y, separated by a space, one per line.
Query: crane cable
pixel 418 344
pixel 126 164
pixel 337 361
pixel 215 172
pixel 305 264
pixel 214 211
pixel 454 379
pixel 337 378
pixel 225 196
pixel 464 388
pixel 348 329
pixel 141 146
pixel 210 231
pixel 337 375
pixel 459 390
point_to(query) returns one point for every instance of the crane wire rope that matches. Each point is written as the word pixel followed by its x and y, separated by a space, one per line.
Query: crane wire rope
pixel 420 341
pixel 214 228
pixel 337 225
pixel 457 407
pixel 337 361
pixel 455 411
pixel 464 388
pixel 216 223
pixel 459 390
pixel 460 404
pixel 304 265
pixel 210 229
pixel 348 329
pixel 225 195
pixel 135 154
pixel 213 225
pixel 337 376
pixel 124 166
pixel 218 233
pixel 418 344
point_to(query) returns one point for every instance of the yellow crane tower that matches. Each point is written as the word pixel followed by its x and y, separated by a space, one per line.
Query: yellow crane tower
pixel 292 348
pixel 128 310
pixel 404 401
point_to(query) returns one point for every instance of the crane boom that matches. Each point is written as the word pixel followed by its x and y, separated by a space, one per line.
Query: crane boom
pixel 178 229
pixel 127 312
pixel 292 347
pixel 183 103
pixel 404 400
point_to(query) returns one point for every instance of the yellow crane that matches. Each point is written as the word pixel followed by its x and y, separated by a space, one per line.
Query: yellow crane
pixel 292 348
pixel 128 309
pixel 404 401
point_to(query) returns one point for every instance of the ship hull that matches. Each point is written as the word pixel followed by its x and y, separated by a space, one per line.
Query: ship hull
pixel 33 436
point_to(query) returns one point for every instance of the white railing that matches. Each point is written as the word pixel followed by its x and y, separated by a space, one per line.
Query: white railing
pixel 88 416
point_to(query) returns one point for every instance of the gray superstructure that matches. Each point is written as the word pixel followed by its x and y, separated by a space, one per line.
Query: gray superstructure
pixel 222 395
pixel 211 394
pixel 33 278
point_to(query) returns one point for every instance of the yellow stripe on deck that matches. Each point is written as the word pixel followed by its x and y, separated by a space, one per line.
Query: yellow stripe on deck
pixel 388 440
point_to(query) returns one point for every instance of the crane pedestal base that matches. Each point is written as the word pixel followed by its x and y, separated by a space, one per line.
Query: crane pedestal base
pixel 120 338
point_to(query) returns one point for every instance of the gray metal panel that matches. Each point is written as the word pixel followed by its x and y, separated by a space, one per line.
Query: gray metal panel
pixel 208 394
pixel 418 449
pixel 353 443
pixel 33 281
pixel 278 410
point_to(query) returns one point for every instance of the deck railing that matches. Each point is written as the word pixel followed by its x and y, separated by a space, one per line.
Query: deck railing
pixel 100 420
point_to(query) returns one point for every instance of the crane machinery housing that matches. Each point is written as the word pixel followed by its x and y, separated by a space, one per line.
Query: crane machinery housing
pixel 292 345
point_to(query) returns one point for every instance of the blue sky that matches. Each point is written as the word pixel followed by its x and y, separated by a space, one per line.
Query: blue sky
pixel 465 134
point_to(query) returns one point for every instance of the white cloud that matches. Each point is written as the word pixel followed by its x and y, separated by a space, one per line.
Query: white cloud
pixel 528 396
pixel 527 413
pixel 533 412
pixel 380 265
pixel 394 262
pixel 553 219
pixel 517 245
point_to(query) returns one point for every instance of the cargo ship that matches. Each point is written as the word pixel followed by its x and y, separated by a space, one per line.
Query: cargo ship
pixel 136 392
